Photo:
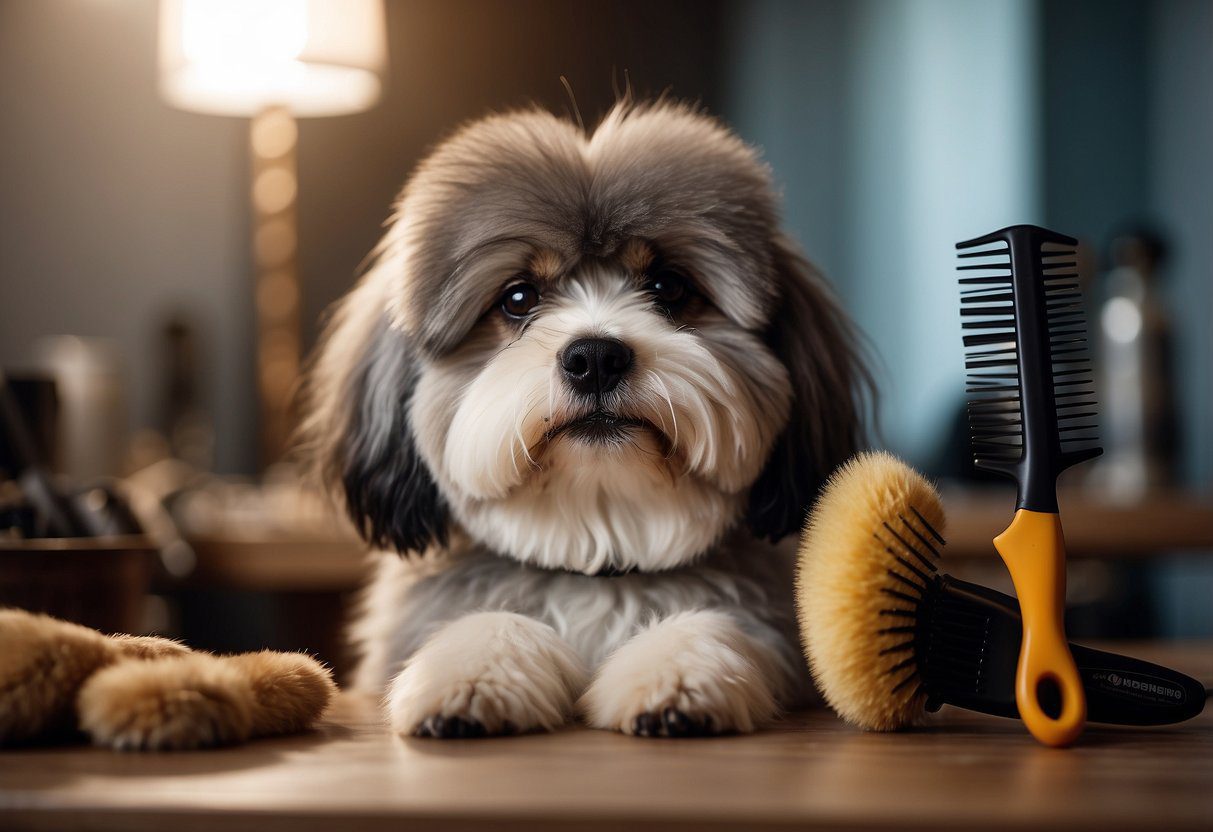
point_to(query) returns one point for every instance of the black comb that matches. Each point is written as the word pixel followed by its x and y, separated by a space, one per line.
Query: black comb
pixel 1032 406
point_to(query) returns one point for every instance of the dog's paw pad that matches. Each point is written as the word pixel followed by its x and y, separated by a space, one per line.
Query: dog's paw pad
pixel 679 724
pixel 646 724
pixel 451 727
pixel 672 722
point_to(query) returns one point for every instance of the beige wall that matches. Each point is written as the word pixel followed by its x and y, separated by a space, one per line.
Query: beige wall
pixel 117 211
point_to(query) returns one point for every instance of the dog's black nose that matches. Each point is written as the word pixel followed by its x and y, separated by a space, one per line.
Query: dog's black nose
pixel 594 366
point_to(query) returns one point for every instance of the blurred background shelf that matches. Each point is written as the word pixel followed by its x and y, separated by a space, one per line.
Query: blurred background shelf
pixel 295 591
pixel 278 564
pixel 1162 524
pixel 98 581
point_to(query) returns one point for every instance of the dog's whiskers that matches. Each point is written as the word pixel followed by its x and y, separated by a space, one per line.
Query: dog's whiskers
pixel 522 439
pixel 665 392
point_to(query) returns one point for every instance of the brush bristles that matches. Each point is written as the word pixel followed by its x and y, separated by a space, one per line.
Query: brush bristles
pixel 868 553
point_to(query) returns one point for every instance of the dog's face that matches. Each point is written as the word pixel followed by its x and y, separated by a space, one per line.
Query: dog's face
pixel 584 352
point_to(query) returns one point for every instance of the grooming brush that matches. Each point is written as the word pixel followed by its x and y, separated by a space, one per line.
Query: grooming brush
pixel 1029 373
pixel 889 637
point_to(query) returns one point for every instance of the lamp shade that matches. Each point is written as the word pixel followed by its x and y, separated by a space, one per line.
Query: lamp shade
pixel 239 57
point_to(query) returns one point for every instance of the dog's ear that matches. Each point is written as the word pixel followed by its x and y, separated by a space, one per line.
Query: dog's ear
pixel 830 383
pixel 357 434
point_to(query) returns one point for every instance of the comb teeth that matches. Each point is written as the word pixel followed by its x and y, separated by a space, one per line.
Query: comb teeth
pixel 991 357
pixel 915 545
pixel 1073 377
pixel 992 341
pixel 988 320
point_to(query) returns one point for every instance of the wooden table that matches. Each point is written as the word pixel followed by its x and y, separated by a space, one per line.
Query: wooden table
pixel 963 771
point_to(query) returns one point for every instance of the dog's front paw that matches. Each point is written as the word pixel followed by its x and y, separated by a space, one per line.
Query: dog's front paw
pixel 693 674
pixel 486 674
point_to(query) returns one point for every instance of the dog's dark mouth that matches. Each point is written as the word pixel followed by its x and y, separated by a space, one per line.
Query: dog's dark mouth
pixel 598 426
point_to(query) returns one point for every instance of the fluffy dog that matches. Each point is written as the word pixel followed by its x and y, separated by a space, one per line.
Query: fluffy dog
pixel 584 386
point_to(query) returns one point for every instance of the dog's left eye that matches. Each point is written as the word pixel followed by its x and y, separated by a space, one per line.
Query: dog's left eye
pixel 519 300
pixel 668 287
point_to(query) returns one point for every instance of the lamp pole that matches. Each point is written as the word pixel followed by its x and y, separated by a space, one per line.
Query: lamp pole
pixel 273 136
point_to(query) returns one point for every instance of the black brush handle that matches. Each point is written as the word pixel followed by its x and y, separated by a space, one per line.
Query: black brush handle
pixel 1127 691
pixel 1120 690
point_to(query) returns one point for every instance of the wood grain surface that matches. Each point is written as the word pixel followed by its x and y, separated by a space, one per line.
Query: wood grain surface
pixel 961 771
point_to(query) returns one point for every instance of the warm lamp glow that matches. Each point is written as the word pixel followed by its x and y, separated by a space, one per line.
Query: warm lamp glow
pixel 273 60
pixel 240 57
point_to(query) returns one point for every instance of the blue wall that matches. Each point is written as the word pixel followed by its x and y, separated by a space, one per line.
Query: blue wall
pixel 1180 194
pixel 899 128
pixel 1180 116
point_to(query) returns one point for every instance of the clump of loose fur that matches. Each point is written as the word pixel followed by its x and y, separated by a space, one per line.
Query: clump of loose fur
pixel 843 567
pixel 183 703
pixel 146 693
pixel 43 663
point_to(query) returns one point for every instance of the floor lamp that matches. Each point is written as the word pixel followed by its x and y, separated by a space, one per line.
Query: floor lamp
pixel 273 61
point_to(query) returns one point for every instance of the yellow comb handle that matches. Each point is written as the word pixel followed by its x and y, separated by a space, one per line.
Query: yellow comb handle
pixel 1035 554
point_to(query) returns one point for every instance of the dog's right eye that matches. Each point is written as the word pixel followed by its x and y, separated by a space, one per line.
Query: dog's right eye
pixel 519 299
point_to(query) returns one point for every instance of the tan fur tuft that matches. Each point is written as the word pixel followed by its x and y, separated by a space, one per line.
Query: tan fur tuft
pixel 187 702
pixel 290 690
pixel 43 662
pixel 144 692
pixel 148 647
pixel 843 567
